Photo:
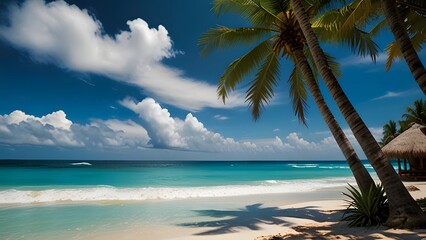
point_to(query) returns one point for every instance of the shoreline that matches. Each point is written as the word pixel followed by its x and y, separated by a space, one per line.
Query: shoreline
pixel 257 217
pixel 298 216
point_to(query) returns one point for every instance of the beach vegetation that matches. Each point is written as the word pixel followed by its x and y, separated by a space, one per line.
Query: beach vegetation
pixel 366 208
pixel 415 113
pixel 422 203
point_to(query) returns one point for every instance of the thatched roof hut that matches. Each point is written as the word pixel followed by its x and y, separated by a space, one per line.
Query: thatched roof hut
pixel 410 144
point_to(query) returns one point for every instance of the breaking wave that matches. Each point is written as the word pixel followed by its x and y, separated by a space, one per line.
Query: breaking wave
pixel 108 193
pixel 81 164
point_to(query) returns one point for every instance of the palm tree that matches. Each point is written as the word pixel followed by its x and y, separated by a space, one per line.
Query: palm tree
pixel 403 126
pixel 279 34
pixel 404 211
pixel 409 35
pixel 416 113
pixel 390 132
pixel 401 36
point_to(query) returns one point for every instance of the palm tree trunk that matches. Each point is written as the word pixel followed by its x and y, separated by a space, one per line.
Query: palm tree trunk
pixel 403 40
pixel 404 211
pixel 361 174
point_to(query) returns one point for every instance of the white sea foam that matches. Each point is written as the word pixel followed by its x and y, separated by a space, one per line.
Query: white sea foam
pixel 81 164
pixel 308 165
pixel 334 167
pixel 368 166
pixel 105 193
pixel 271 181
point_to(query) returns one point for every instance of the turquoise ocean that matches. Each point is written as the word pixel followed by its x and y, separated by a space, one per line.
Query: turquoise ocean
pixel 64 198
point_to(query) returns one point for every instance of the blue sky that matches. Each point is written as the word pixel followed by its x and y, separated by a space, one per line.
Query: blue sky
pixel 124 80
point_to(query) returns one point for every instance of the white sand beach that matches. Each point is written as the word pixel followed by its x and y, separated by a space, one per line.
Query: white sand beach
pixel 312 215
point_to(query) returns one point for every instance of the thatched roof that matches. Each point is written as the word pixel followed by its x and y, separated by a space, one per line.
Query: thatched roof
pixel 410 144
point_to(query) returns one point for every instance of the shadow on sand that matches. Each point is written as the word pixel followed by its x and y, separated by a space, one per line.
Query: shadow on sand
pixel 327 226
pixel 251 216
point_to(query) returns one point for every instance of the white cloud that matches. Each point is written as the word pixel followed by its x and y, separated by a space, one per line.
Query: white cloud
pixel 191 134
pixel 299 142
pixel 375 131
pixel 71 38
pixel 390 94
pixel 358 60
pixel 56 119
pixel 160 125
pixel 276 130
pixel 52 129
pixel 187 134
pixel 121 133
pixel 56 130
pixel 220 117
pixel 159 130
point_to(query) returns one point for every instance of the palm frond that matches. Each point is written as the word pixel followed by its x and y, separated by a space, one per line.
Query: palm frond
pixel 241 67
pixel 311 62
pixel 261 89
pixel 222 37
pixel 415 23
pixel 364 44
pixel 318 7
pixel 298 94
pixel 332 63
pixel 360 13
pixel 258 12
pixel 328 27
pixel 394 52
pixel 329 21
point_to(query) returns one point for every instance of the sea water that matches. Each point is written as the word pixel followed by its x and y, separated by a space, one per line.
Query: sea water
pixel 48 198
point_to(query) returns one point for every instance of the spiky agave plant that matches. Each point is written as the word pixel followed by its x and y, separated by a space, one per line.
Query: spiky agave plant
pixel 368 208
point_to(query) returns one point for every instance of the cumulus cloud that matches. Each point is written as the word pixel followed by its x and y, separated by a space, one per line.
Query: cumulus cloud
pixel 56 130
pixel 161 126
pixel 189 134
pixel 70 37
pixel 158 130
pixel 377 133
pixel 52 129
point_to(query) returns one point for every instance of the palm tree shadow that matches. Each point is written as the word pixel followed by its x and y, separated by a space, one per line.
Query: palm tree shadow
pixel 251 216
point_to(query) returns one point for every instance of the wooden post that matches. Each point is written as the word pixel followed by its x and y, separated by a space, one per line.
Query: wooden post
pixel 405 164
pixel 399 167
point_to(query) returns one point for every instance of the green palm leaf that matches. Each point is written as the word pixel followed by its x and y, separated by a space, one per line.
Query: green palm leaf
pixel 261 89
pixel 241 67
pixel 258 12
pixel 332 63
pixel 328 27
pixel 416 113
pixel 298 94
pixel 394 52
pixel 226 37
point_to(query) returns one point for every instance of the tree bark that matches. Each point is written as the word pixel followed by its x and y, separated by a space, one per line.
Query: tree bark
pixel 362 177
pixel 403 40
pixel 404 211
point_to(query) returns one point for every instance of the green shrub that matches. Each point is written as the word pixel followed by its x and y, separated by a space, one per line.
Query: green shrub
pixel 368 208
pixel 422 203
